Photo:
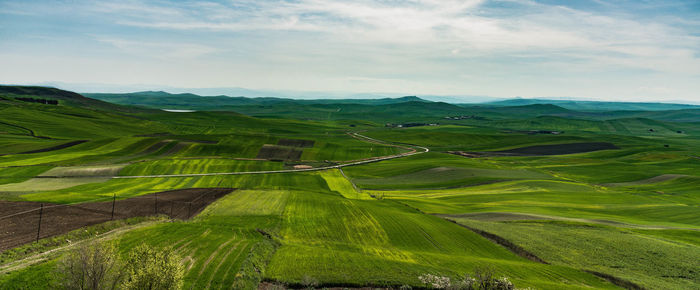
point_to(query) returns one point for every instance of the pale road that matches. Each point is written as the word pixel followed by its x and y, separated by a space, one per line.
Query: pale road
pixel 354 135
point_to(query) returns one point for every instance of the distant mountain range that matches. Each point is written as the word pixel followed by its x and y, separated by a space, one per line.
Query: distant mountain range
pixel 161 99
pixel 406 108
pixel 164 100
pixel 597 105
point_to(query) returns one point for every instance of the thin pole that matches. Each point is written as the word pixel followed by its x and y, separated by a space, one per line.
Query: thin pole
pixel 38 228
pixel 114 200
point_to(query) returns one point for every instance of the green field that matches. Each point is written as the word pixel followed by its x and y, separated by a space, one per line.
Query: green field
pixel 631 213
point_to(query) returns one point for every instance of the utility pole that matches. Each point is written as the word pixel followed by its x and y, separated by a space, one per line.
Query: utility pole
pixel 38 229
pixel 114 200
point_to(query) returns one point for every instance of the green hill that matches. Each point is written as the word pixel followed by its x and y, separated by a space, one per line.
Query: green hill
pixel 66 98
pixel 164 100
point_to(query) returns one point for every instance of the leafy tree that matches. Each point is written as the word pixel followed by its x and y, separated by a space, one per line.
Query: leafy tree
pixel 151 269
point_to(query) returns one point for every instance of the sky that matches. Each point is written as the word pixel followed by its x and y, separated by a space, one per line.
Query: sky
pixel 641 50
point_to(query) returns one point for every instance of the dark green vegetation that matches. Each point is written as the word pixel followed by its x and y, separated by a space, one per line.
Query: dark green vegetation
pixel 413 109
pixel 597 105
pixel 630 214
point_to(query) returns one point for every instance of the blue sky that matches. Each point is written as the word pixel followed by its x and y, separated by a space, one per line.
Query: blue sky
pixel 593 49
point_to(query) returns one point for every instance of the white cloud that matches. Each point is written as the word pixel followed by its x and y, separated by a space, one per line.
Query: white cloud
pixel 504 46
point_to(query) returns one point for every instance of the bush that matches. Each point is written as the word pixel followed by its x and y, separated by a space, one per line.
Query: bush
pixel 90 266
pixel 435 281
pixel 309 282
pixel 148 268
pixel 482 280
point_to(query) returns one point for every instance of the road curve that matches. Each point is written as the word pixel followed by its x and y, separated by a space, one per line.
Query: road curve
pixel 354 135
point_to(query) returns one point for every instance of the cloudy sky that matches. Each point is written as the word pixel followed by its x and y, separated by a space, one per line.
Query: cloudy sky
pixel 641 50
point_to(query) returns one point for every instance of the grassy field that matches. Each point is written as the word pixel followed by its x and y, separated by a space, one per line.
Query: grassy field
pixel 631 212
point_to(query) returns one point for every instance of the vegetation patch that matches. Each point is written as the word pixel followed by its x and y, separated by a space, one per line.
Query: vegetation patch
pixel 273 152
pixel 296 143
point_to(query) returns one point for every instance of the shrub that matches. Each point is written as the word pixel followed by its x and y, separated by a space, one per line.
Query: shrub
pixel 435 281
pixel 148 268
pixel 309 282
pixel 482 279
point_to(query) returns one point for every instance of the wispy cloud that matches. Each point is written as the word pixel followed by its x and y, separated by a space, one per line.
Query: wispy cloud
pixel 429 45
pixel 159 49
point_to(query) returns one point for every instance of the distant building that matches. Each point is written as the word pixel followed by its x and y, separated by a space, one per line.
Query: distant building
pixel 303 166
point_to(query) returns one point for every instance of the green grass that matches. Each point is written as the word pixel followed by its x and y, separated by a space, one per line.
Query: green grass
pixel 338 183
pixel 436 170
pixel 383 242
pixel 653 258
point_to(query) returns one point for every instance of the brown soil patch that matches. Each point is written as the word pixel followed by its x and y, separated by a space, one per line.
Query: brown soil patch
pixel 19 221
pixel 274 152
pixel 296 143
pixel 542 150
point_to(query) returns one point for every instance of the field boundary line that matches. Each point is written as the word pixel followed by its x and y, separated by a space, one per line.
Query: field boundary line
pixel 349 180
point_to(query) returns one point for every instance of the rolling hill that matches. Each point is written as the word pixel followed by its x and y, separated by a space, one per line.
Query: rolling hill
pixel 319 203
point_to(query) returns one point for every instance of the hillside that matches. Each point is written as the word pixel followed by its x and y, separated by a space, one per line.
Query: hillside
pixel 312 194
pixel 66 98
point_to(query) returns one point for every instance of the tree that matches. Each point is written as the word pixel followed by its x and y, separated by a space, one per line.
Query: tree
pixel 151 269
pixel 91 266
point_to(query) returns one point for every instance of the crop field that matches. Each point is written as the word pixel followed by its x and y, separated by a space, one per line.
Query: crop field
pixel 192 165
pixel 547 197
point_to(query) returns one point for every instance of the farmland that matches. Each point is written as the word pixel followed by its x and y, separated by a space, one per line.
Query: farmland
pixel 603 200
